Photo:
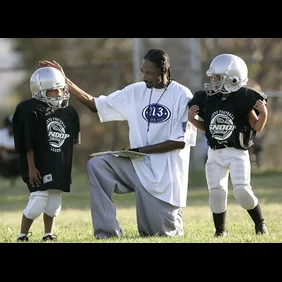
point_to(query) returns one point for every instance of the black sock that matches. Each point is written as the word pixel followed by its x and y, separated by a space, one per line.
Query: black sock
pixel 256 214
pixel 219 221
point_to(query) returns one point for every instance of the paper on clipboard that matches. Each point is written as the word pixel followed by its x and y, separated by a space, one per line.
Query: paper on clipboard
pixel 121 153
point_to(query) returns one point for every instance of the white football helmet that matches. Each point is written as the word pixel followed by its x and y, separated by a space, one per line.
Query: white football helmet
pixel 227 73
pixel 48 78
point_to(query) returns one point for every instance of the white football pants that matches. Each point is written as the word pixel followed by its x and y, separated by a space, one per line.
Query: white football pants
pixel 218 166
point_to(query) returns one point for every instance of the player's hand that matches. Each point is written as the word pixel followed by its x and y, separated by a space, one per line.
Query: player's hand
pixel 54 64
pixel 260 105
pixel 34 177
pixel 193 111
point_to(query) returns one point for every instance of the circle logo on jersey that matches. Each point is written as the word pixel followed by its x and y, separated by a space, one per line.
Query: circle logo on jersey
pixel 221 127
pixel 156 113
pixel 56 133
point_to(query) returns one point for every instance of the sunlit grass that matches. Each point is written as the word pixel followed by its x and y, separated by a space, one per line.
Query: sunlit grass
pixel 74 224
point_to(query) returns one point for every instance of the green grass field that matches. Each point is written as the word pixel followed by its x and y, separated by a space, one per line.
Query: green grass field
pixel 74 224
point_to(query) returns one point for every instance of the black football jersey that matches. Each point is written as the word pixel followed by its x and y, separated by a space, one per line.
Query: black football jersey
pixel 226 117
pixel 51 134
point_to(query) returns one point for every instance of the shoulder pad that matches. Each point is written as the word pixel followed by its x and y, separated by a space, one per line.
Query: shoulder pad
pixel 253 91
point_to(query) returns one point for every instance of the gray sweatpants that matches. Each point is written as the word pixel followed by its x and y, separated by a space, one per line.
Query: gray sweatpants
pixel 108 175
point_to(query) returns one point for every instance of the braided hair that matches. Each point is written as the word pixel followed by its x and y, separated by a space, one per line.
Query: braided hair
pixel 161 60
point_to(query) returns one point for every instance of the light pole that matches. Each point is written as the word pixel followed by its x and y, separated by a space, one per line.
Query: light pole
pixel 195 64
pixel 136 59
pixel 199 153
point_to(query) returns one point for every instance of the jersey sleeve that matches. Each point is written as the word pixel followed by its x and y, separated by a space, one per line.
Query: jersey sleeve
pixel 112 107
pixel 115 106
pixel 24 129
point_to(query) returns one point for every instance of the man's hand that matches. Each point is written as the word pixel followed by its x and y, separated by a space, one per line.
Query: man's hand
pixel 54 64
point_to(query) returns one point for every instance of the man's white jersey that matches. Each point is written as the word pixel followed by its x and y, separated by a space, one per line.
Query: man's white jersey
pixel 154 116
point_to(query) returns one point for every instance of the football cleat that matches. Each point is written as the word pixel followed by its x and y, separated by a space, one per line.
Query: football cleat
pixel 220 234
pixel 49 237
pixel 25 237
pixel 261 228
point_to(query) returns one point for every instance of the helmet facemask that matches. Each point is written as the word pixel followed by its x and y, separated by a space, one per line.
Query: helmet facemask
pixel 225 84
pixel 48 78
pixel 54 102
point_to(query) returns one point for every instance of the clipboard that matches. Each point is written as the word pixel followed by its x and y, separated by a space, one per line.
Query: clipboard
pixel 121 153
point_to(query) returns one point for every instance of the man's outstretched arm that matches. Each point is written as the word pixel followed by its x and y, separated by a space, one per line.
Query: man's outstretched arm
pixel 83 97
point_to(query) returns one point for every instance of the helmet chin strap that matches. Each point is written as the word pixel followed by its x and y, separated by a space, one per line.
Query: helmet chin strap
pixel 54 102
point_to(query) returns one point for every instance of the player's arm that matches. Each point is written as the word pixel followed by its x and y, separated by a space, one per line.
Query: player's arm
pixel 258 122
pixel 192 113
pixel 83 97
pixel 24 130
pixel 34 174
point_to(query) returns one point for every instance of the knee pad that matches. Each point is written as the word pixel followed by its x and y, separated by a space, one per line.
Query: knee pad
pixel 36 204
pixel 218 200
pixel 54 203
pixel 245 197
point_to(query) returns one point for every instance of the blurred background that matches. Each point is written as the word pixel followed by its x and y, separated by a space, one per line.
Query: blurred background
pixel 102 65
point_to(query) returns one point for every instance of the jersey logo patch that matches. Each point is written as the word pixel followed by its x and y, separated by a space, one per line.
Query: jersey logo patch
pixel 221 125
pixel 156 113
pixel 56 133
